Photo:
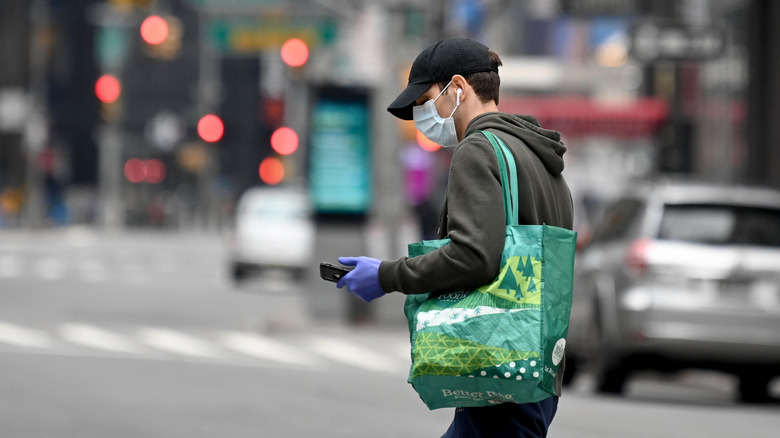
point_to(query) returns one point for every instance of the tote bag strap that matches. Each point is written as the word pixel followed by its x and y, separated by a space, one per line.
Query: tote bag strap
pixel 506 165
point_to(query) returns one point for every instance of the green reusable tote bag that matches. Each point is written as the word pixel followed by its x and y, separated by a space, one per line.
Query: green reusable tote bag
pixel 504 341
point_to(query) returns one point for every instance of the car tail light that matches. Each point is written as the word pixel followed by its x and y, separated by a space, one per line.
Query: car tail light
pixel 636 260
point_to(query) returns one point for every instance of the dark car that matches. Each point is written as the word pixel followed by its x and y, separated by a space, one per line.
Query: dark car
pixel 681 275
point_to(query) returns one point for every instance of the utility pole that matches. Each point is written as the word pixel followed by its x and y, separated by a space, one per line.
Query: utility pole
pixel 209 92
pixel 390 209
pixel 36 131
pixel 111 215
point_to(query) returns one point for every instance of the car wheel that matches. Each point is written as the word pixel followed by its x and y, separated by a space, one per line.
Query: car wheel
pixel 239 272
pixel 609 370
pixel 754 387
pixel 571 371
pixel 611 379
pixel 299 274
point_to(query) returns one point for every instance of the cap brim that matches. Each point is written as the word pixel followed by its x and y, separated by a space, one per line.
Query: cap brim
pixel 402 105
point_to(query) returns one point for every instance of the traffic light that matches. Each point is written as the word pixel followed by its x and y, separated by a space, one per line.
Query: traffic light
pixel 295 52
pixel 271 170
pixel 108 89
pixel 284 141
pixel 211 128
pixel 154 30
pixel 162 35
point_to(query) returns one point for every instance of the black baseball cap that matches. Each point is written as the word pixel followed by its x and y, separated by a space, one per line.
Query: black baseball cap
pixel 438 63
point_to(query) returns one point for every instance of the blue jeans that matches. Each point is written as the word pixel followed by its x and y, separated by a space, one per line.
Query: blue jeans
pixel 529 420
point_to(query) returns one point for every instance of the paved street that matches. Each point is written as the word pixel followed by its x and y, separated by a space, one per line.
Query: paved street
pixel 142 335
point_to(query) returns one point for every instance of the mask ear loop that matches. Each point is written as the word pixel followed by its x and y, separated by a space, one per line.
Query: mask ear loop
pixel 443 90
pixel 457 102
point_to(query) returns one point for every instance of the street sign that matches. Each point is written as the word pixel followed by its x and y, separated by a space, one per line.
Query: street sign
pixel 241 35
pixel 112 45
pixel 224 3
pixel 676 41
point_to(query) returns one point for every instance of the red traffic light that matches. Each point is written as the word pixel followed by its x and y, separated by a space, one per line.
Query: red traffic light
pixel 271 171
pixel 295 52
pixel 154 30
pixel 284 141
pixel 211 128
pixel 108 89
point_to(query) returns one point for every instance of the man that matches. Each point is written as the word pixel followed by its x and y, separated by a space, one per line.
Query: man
pixel 452 93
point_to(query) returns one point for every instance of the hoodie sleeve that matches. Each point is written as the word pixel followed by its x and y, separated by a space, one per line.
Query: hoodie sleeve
pixel 476 226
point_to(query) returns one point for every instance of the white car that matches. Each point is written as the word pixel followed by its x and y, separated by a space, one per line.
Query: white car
pixel 273 229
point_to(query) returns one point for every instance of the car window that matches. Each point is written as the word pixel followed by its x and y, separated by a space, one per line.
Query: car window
pixel 618 220
pixel 721 224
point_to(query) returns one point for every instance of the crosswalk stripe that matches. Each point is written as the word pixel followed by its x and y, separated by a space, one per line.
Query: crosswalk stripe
pixel 94 337
pixel 24 337
pixel 92 271
pixel 224 345
pixel 10 266
pixel 179 343
pixel 49 268
pixel 264 348
pixel 350 354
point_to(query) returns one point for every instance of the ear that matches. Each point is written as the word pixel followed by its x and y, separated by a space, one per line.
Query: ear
pixel 459 82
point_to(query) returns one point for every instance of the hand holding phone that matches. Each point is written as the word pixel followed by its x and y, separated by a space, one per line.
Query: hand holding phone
pixel 363 282
pixel 331 272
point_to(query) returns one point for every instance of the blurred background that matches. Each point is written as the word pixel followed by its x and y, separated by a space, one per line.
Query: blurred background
pixel 169 151
pixel 146 113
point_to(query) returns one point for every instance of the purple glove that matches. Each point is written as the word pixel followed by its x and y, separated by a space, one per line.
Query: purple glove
pixel 363 281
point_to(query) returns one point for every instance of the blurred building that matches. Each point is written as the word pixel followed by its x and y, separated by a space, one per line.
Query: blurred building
pixel 638 88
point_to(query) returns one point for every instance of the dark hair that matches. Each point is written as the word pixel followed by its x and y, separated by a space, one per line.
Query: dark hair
pixel 485 84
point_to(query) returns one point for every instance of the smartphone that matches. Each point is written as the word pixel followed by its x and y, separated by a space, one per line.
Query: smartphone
pixel 332 272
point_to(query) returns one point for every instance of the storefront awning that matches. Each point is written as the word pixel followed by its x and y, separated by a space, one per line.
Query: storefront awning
pixel 580 116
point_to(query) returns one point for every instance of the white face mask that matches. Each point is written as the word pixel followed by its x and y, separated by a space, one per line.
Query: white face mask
pixel 432 125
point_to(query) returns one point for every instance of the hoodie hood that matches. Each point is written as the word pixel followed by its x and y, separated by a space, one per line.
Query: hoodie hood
pixel 545 143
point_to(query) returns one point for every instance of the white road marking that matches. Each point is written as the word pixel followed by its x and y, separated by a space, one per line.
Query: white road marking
pixel 226 346
pixel 93 271
pixel 178 343
pixel 10 266
pixel 49 268
pixel 265 348
pixel 98 338
pixel 23 337
pixel 350 354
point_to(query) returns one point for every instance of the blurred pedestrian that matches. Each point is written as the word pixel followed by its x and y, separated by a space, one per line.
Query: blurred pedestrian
pixel 452 93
